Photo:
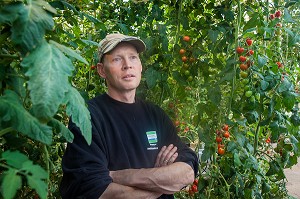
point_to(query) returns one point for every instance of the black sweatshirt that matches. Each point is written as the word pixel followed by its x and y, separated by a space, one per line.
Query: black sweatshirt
pixel 124 136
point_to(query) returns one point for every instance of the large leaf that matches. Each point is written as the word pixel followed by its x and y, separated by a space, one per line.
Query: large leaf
pixel 35 175
pixel 11 182
pixel 13 112
pixel 69 51
pixel 62 129
pixel 48 70
pixel 29 23
pixel 76 108
pixel 14 158
pixel 36 178
pixel 9 13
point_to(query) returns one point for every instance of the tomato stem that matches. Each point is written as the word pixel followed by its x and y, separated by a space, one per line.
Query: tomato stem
pixel 7 130
pixel 47 162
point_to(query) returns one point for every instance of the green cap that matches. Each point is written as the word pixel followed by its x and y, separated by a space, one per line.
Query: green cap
pixel 112 40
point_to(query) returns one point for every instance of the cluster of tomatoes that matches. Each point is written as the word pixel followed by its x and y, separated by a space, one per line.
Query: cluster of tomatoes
pixel 277 14
pixel 244 54
pixel 186 57
pixel 193 188
pixel 220 134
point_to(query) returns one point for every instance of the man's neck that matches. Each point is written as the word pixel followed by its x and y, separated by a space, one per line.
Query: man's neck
pixel 126 97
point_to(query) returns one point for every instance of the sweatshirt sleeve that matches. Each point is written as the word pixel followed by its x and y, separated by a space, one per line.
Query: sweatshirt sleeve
pixel 85 172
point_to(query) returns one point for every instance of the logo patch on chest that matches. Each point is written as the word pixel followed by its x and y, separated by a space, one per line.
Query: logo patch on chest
pixel 152 140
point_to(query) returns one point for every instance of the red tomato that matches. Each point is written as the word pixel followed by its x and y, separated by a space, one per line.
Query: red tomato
pixel 181 51
pixel 194 188
pixel 225 127
pixel 249 41
pixel 250 52
pixel 242 58
pixel 195 182
pixel 186 38
pixel 243 67
pixel 279 64
pixel 272 16
pixel 218 139
pixel 226 134
pixel 239 50
pixel 221 151
pixel 184 58
pixel 277 13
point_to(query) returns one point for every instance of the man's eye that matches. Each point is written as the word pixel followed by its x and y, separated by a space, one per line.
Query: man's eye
pixel 116 59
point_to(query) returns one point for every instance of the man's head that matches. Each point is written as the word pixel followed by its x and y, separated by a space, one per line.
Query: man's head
pixel 120 64
pixel 112 40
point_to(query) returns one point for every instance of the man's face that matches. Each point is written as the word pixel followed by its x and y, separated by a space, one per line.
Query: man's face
pixel 121 68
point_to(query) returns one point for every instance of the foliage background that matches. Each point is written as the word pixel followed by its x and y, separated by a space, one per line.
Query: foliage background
pixel 48 54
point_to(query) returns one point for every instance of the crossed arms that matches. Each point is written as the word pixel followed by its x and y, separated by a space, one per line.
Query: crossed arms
pixel 166 177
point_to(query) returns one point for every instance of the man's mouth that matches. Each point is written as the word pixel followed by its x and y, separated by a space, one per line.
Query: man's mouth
pixel 128 76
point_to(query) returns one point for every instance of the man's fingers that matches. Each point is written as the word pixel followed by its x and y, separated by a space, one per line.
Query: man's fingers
pixel 173 158
pixel 167 154
pixel 170 153
pixel 159 155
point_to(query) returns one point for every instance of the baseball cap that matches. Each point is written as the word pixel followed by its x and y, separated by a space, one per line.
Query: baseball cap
pixel 112 40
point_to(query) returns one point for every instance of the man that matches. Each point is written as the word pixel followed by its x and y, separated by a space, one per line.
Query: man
pixel 135 151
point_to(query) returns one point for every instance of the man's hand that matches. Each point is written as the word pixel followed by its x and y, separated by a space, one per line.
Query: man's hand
pixel 166 156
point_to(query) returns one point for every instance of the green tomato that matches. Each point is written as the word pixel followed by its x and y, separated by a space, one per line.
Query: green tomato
pixel 247 87
pixel 187 72
pixel 257 96
pixel 244 74
pixel 190 78
pixel 248 93
pixel 245 81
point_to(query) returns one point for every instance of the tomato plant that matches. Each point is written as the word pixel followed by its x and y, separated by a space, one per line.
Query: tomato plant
pixel 62 41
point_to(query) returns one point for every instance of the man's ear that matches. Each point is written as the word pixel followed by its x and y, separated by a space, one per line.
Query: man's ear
pixel 100 70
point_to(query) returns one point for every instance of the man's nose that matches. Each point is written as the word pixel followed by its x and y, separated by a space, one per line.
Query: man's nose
pixel 127 64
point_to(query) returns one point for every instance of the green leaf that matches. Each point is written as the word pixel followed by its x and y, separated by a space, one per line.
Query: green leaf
pixel 207 153
pixel 274 126
pixel 14 158
pixel 264 84
pixel 9 13
pixel 34 170
pixel 287 17
pixel 152 77
pixel 231 146
pixel 12 111
pixel 289 100
pixel 261 61
pixel 76 108
pixel 285 85
pixel 252 117
pixel 29 27
pixel 11 182
pixel 237 161
pixel 60 127
pixel 274 168
pixel 253 22
pixel 69 51
pixel 213 35
pixel 48 70
pixel 214 94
